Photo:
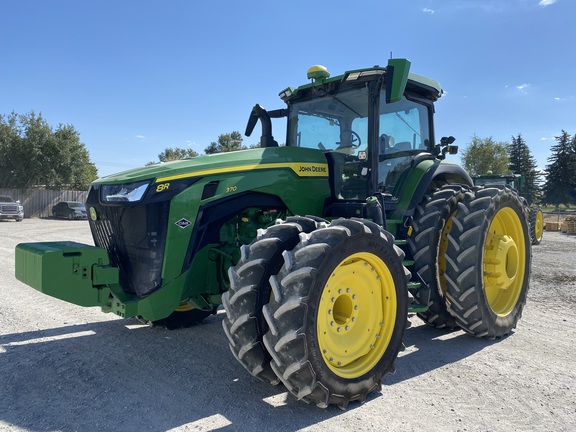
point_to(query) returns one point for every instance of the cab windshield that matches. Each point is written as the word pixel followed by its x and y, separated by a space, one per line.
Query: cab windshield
pixel 338 123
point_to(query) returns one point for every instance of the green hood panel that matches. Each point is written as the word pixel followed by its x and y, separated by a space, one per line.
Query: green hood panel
pixel 304 162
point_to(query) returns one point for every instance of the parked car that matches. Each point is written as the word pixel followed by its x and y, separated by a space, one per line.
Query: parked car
pixel 70 210
pixel 10 209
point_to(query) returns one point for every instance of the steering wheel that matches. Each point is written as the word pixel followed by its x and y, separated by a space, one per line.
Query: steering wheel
pixel 354 140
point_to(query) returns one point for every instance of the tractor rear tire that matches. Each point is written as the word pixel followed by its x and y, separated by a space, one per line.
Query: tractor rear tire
pixel 244 324
pixel 536 225
pixel 338 312
pixel 432 223
pixel 488 262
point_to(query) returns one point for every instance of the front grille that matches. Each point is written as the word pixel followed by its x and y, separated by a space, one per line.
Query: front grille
pixel 9 209
pixel 135 238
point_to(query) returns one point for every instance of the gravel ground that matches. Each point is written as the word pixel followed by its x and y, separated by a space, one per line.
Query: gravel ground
pixel 63 367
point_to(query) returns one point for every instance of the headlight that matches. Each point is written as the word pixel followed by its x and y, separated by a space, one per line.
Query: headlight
pixel 131 192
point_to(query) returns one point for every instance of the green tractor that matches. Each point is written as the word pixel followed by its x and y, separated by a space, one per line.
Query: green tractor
pixel 516 181
pixel 318 249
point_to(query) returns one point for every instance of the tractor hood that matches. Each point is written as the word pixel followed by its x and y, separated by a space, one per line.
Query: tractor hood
pixel 304 162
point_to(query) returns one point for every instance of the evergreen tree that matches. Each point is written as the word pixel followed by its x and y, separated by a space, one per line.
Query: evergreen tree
pixel 560 185
pixel 522 162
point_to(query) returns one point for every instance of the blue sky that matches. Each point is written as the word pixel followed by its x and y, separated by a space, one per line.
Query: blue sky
pixel 135 77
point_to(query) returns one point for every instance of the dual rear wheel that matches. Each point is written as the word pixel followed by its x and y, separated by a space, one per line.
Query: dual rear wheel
pixel 472 249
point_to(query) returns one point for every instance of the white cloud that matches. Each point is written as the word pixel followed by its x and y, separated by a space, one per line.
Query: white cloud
pixel 547 2
pixel 426 10
pixel 140 137
pixel 523 88
pixel 557 98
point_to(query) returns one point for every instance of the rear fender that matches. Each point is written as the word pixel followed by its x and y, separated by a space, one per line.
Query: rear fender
pixel 425 176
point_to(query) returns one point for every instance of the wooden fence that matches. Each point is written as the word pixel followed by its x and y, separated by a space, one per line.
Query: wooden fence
pixel 39 202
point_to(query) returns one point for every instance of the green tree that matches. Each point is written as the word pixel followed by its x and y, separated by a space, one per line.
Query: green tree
pixel 522 162
pixel 226 143
pixel 172 154
pixel 560 185
pixel 483 155
pixel 33 154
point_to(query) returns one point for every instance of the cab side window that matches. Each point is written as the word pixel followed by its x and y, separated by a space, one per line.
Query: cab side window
pixel 403 133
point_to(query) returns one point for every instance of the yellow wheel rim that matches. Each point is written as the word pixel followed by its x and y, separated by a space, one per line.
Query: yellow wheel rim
pixel 504 262
pixel 185 307
pixel 539 225
pixel 356 315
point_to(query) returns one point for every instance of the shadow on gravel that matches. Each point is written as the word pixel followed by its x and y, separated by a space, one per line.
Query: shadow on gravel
pixel 120 376
pixel 428 348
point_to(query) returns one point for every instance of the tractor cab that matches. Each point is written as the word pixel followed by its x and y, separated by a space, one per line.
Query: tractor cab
pixel 373 124
pixel 341 123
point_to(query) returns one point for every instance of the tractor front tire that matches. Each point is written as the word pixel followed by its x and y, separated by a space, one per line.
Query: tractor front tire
pixel 249 291
pixel 536 225
pixel 428 242
pixel 338 312
pixel 488 262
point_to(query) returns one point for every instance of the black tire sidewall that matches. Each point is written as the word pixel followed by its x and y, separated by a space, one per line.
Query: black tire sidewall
pixel 437 315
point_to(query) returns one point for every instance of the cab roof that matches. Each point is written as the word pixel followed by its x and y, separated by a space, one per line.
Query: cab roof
pixel 423 86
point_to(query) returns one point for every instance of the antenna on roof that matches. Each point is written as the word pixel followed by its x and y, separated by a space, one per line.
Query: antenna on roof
pixel 390 54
